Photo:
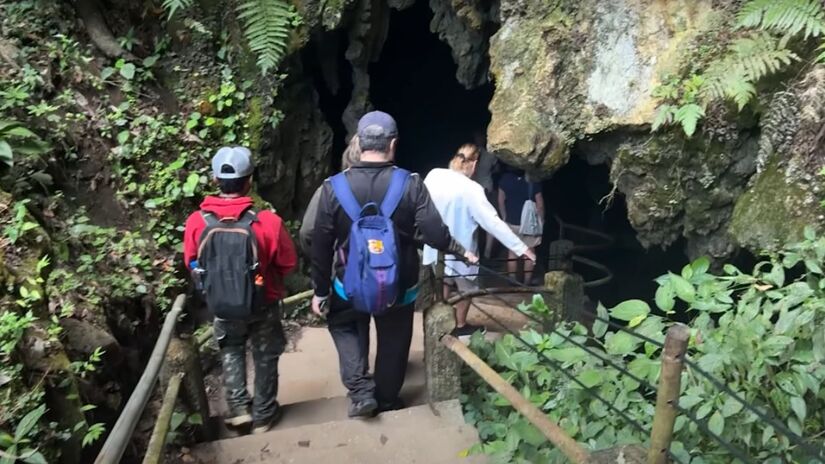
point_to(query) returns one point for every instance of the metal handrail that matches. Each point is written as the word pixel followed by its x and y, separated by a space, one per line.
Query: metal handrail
pixel 121 433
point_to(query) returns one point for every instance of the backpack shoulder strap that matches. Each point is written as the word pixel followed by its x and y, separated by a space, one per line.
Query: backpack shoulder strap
pixel 395 191
pixel 249 217
pixel 343 191
pixel 209 218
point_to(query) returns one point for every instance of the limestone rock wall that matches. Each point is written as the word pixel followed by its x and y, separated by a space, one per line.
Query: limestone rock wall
pixel 564 71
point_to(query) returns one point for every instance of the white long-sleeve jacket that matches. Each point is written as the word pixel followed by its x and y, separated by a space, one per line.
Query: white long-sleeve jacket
pixel 464 207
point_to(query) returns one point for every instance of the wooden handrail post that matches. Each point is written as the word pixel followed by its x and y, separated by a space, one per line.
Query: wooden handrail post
pixel 567 445
pixel 154 451
pixel 667 395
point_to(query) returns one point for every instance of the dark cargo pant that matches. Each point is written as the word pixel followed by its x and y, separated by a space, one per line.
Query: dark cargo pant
pixel 266 336
pixel 351 333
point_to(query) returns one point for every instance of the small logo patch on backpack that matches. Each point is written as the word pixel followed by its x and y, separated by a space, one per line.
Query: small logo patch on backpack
pixel 376 247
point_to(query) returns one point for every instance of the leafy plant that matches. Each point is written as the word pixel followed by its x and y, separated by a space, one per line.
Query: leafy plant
pixel 788 17
pixel 18 140
pixel 267 27
pixel 762 51
pixel 761 333
pixel 20 224
pixel 750 59
pixel 17 447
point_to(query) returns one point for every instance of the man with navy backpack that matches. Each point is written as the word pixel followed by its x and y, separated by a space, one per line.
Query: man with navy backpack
pixel 238 257
pixel 378 215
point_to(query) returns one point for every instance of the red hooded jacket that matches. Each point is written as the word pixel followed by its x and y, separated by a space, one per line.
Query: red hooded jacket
pixel 277 252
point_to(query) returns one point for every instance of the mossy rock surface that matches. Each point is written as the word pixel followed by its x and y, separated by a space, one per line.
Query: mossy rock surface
pixel 774 211
pixel 565 72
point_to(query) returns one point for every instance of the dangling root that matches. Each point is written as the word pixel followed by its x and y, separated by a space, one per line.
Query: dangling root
pixel 99 33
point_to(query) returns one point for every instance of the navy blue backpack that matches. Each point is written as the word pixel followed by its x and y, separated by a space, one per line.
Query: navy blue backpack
pixel 372 269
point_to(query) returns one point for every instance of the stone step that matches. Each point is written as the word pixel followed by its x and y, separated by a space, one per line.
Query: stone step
pixel 412 435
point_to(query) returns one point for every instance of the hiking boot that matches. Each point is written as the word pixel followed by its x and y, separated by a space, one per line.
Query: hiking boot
pixel 467 330
pixel 238 418
pixel 363 408
pixel 267 424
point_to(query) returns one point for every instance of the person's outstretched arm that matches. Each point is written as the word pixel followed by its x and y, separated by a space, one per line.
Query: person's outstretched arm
pixel 486 217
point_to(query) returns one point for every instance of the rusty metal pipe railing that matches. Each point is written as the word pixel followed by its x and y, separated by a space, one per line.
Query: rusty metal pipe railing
pixel 573 450
pixel 122 431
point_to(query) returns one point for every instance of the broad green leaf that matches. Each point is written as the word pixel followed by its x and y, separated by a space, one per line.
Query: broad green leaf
pixel 28 422
pixel 33 457
pixel 700 265
pixel 767 434
pixel 128 71
pixel 716 424
pixel 687 272
pixel 799 407
pixel 591 377
pixel 712 362
pixel 620 343
pixel 684 289
pixel 776 276
pixel 6 155
pixel 530 433
pixel 567 355
pixel 630 309
pixel 637 320
pixel 599 326
pixel 665 298
pixel 731 407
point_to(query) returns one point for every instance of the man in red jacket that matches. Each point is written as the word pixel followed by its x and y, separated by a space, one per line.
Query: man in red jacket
pixel 276 257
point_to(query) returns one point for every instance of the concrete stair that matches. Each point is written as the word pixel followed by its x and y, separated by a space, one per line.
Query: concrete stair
pixel 315 426
pixel 419 434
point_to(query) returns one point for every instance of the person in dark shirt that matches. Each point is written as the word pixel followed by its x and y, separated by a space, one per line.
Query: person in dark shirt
pixel 416 215
pixel 513 191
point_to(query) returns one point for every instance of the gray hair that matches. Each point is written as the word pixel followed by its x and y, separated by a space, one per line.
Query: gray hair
pixel 376 142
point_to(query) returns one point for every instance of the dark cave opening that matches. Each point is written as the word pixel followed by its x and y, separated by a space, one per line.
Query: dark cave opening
pixel 577 194
pixel 415 82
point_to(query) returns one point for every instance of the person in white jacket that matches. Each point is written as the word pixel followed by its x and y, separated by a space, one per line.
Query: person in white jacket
pixel 464 207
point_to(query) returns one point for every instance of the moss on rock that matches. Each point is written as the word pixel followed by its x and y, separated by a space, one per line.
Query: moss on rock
pixel 774 211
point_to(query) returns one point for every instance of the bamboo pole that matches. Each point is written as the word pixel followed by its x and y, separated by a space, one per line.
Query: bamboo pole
pixel 668 393
pixel 574 451
pixel 154 451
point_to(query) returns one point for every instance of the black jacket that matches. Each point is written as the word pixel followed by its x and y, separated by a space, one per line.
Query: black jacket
pixel 416 220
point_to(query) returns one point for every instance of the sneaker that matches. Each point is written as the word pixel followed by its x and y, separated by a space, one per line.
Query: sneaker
pixel 363 408
pixel 266 425
pixel 391 406
pixel 467 329
pixel 238 418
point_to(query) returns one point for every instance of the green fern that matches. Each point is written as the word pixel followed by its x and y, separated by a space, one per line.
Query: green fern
pixel 171 6
pixel 749 59
pixel 266 27
pixel 788 17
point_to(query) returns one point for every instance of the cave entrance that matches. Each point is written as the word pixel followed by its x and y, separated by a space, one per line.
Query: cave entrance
pixel 414 80
pixel 578 193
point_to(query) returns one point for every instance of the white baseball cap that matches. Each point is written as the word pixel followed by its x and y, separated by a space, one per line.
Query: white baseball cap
pixel 232 163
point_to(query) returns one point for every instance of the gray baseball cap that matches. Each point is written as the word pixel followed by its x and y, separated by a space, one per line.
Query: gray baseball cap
pixel 232 163
pixel 377 124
